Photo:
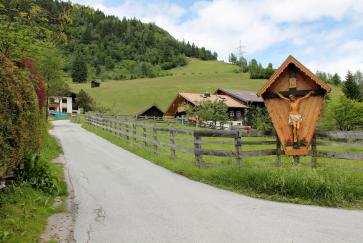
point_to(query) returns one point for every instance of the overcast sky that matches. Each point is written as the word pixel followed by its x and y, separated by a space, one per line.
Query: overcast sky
pixel 323 34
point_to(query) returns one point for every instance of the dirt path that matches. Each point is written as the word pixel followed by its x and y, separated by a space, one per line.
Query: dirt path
pixel 124 198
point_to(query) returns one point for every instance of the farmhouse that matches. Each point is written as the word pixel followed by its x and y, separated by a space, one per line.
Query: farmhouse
pixel 60 104
pixel 236 109
pixel 152 112
pixel 246 97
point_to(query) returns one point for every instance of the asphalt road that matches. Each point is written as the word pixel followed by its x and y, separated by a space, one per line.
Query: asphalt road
pixel 124 198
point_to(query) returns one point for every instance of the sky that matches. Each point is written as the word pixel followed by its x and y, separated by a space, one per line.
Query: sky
pixel 324 35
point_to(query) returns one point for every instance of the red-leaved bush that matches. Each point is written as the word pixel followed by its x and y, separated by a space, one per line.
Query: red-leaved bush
pixel 40 84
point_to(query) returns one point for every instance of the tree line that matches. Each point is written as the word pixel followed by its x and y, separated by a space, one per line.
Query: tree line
pixel 255 69
pixel 107 47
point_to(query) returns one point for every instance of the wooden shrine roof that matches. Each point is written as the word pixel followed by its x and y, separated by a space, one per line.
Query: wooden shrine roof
pixel 301 67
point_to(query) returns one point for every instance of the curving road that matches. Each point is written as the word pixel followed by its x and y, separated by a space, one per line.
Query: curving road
pixel 124 198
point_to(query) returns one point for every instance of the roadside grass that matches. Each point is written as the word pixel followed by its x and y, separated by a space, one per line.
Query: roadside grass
pixel 24 209
pixel 260 177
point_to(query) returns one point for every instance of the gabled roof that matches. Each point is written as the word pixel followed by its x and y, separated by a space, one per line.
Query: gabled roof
pixel 195 99
pixel 301 67
pixel 242 95
pixel 149 108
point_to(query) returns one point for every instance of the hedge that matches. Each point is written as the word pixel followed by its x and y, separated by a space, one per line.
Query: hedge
pixel 19 116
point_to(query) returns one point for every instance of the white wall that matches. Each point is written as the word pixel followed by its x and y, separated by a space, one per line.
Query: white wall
pixel 67 105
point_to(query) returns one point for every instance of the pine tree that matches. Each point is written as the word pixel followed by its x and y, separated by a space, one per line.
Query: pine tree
pixel 351 88
pixel 336 79
pixel 84 101
pixel 79 69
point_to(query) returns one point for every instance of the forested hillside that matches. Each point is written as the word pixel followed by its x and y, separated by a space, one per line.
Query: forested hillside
pixel 111 48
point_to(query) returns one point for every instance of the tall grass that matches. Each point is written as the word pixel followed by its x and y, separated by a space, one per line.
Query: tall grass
pixel 289 183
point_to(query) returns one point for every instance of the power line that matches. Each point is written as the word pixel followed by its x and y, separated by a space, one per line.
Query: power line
pixel 240 49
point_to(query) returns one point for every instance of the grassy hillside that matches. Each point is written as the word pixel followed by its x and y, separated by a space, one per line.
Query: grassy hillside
pixel 133 96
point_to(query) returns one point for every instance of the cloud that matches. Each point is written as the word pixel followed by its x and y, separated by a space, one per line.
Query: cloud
pixel 324 34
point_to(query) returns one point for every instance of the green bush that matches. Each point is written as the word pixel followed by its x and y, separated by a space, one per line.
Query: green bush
pixel 19 116
pixel 38 174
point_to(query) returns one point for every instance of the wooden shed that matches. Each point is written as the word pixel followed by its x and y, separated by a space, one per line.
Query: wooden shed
pixel 95 84
pixel 294 97
pixel 152 111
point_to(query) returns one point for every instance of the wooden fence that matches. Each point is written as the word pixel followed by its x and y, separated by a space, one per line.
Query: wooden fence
pixel 155 137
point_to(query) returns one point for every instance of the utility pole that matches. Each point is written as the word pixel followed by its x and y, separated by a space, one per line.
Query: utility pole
pixel 240 52
pixel 240 49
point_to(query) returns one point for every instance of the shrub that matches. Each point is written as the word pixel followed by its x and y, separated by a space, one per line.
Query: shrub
pixel 19 116
pixel 38 174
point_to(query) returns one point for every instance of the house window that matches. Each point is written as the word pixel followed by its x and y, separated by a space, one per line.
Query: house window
pixel 231 113
pixel 238 114
pixel 64 110
pixel 64 100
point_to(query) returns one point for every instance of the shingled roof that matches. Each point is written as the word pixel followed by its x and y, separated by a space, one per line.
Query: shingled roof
pixel 242 95
pixel 197 98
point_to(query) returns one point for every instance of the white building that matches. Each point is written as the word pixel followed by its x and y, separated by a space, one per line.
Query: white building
pixel 60 104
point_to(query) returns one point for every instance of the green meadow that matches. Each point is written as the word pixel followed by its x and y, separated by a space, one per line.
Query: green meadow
pixel 128 97
pixel 133 96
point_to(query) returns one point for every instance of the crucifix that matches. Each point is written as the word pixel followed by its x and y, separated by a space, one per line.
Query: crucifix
pixel 294 97
pixel 300 93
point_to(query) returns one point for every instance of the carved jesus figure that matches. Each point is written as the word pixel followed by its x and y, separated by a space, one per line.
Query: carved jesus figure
pixel 295 118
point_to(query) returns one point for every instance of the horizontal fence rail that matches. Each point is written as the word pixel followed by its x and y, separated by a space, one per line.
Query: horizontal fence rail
pixel 195 141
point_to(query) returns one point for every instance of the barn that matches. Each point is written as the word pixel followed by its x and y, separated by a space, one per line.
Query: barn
pixel 95 84
pixel 152 112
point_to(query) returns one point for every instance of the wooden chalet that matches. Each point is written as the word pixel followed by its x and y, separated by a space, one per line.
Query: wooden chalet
pixel 152 112
pixel 235 108
pixel 293 80
pixel 246 97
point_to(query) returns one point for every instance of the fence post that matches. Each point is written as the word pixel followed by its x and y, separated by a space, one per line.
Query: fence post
pixel 127 131
pixel 155 138
pixel 172 142
pixel 278 151
pixel 134 131
pixel 144 135
pixel 238 145
pixel 115 124
pixel 197 150
pixel 315 153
